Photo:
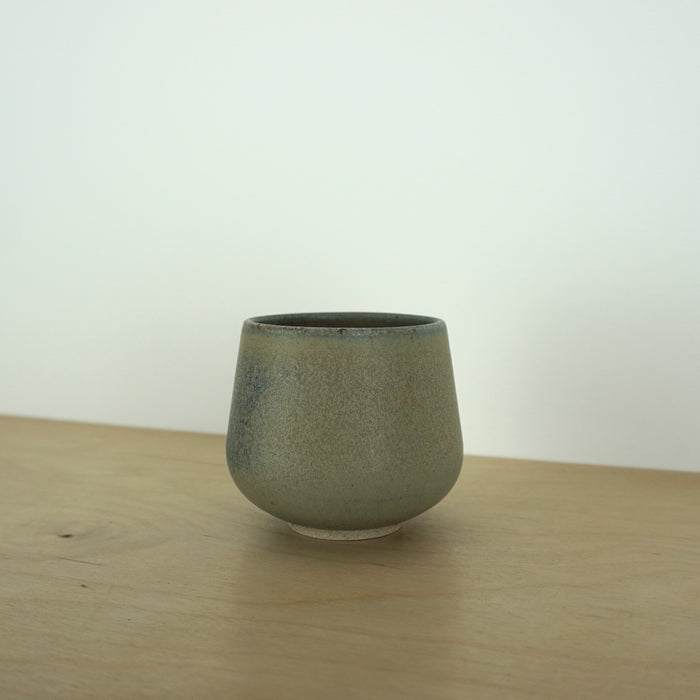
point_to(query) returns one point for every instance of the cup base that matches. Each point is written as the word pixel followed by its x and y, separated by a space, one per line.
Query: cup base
pixel 345 535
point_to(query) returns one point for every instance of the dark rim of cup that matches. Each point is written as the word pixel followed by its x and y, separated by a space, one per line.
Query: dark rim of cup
pixel 340 322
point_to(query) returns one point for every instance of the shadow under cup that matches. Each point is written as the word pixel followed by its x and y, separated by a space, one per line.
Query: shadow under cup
pixel 344 424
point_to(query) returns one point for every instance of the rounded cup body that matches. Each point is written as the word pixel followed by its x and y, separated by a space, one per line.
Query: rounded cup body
pixel 344 421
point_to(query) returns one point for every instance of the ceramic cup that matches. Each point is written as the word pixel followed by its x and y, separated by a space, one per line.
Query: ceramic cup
pixel 344 425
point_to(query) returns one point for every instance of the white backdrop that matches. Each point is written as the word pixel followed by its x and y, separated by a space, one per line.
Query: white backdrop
pixel 528 171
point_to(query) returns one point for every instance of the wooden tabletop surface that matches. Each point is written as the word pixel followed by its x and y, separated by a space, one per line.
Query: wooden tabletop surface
pixel 130 566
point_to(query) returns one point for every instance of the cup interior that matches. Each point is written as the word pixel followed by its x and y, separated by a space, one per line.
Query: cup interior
pixel 344 319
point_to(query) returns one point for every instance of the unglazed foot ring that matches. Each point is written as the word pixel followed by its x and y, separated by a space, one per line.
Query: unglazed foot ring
pixel 345 535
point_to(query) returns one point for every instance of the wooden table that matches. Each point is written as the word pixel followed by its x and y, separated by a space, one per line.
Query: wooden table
pixel 130 566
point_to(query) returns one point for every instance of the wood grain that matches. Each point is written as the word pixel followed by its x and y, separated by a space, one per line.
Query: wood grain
pixel 131 567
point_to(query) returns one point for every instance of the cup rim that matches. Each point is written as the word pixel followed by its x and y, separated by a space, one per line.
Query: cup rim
pixel 344 322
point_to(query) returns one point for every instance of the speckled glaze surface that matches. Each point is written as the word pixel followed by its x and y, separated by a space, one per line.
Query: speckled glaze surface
pixel 344 422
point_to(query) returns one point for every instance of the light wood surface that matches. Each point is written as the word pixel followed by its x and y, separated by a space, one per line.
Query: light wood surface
pixel 131 567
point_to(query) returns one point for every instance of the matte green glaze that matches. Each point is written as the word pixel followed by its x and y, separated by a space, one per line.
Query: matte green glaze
pixel 344 421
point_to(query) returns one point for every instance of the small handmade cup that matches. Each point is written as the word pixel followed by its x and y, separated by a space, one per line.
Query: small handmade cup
pixel 344 425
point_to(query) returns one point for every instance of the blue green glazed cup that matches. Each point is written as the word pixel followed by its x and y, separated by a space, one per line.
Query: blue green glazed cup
pixel 344 425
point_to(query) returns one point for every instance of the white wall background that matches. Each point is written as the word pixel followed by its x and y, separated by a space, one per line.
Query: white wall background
pixel 529 171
